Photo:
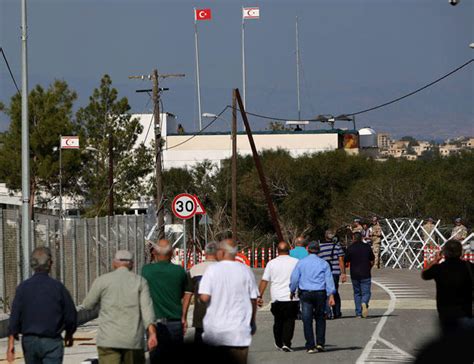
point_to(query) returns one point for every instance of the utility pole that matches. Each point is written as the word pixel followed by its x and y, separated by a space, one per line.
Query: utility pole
pixel 25 150
pixel 154 77
pixel 234 166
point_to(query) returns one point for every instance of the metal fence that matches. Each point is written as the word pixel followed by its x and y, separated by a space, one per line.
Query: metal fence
pixel 81 253
pixel 406 243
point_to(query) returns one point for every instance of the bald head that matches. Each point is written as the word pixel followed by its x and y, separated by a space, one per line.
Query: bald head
pixel 283 248
pixel 300 241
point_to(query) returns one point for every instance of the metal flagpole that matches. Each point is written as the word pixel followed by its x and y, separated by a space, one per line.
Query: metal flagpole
pixel 25 148
pixel 61 222
pixel 298 70
pixel 244 86
pixel 196 43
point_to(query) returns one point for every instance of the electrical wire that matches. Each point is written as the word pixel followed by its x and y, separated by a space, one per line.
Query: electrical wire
pixel 261 116
pixel 9 69
pixel 413 92
pixel 200 131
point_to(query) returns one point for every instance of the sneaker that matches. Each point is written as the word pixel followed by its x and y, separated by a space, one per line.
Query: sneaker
pixel 279 348
pixel 320 348
pixel 337 316
pixel 365 310
pixel 286 349
pixel 312 351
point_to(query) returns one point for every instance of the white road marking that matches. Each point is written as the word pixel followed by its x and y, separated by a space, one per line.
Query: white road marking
pixel 368 354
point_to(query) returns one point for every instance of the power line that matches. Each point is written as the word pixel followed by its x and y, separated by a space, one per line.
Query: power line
pixel 9 69
pixel 200 131
pixel 413 92
pixel 372 108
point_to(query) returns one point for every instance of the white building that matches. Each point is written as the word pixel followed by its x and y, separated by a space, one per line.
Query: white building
pixel 188 149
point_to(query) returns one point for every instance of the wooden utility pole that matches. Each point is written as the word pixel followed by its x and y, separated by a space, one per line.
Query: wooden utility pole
pixel 234 166
pixel 154 77
pixel 258 165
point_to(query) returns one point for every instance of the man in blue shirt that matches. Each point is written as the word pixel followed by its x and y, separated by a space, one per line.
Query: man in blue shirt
pixel 313 279
pixel 299 251
pixel 41 310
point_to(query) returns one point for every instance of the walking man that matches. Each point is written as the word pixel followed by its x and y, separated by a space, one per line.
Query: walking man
pixel 361 258
pixel 284 309
pixel 168 283
pixel 126 311
pixel 194 276
pixel 313 279
pixel 299 251
pixel 454 287
pixel 41 310
pixel 376 237
pixel 331 251
pixel 230 291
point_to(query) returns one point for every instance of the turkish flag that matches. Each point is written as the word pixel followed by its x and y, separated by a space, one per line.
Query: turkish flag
pixel 202 14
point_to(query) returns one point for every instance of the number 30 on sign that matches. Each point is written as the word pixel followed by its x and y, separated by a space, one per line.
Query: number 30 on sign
pixel 185 206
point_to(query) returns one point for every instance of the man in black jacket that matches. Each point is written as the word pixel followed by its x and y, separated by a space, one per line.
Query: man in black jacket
pixel 454 286
pixel 41 310
pixel 361 258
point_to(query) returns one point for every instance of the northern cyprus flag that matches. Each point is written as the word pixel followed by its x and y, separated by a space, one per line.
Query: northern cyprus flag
pixel 251 13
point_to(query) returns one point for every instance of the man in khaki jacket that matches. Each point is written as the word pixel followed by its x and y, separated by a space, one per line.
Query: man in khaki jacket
pixel 126 310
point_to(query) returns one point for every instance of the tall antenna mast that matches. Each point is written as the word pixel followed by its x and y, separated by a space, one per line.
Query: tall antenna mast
pixel 298 70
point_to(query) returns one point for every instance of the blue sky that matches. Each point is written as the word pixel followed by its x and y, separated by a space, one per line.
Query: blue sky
pixel 355 54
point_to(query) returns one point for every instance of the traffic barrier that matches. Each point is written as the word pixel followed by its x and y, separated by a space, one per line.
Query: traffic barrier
pixel 255 258
pixel 263 257
pixel 429 254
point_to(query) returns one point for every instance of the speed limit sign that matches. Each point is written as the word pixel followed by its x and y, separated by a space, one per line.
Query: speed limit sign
pixel 184 206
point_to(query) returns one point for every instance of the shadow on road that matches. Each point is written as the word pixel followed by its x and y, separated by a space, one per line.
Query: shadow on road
pixel 330 348
pixel 369 317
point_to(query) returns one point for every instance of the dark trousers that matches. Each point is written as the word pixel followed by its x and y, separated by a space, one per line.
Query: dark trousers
pixel 170 339
pixel 42 350
pixel 335 311
pixel 284 325
pixel 313 304
pixel 198 331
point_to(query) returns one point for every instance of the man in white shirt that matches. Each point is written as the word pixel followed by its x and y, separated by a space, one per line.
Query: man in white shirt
pixel 284 310
pixel 230 290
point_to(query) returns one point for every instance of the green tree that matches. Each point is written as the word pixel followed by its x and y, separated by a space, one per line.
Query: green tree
pixel 111 131
pixel 50 115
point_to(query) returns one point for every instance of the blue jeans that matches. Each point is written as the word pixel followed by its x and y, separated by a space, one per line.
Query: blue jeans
pixel 335 311
pixel 313 304
pixel 42 350
pixel 170 340
pixel 361 289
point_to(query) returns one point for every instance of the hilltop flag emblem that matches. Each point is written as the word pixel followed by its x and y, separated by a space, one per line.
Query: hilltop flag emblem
pixel 251 13
pixel 202 14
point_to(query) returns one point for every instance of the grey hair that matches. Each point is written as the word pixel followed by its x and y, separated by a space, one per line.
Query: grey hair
pixel 227 246
pixel 162 250
pixel 211 248
pixel 41 259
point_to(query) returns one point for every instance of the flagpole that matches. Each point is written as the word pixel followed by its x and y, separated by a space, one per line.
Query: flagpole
pixel 298 70
pixel 196 43
pixel 244 93
pixel 61 222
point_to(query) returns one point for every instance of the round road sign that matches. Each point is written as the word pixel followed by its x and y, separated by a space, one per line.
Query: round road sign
pixel 184 206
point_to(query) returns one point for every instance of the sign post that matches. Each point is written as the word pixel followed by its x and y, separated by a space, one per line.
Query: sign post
pixel 186 206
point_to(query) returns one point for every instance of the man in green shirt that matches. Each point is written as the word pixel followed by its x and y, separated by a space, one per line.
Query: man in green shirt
pixel 125 312
pixel 168 283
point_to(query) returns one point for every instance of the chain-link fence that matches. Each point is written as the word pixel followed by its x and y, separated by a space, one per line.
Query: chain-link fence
pixel 83 251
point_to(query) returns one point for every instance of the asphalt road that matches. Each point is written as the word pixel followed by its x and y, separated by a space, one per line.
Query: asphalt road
pixel 348 339
pixel 402 317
